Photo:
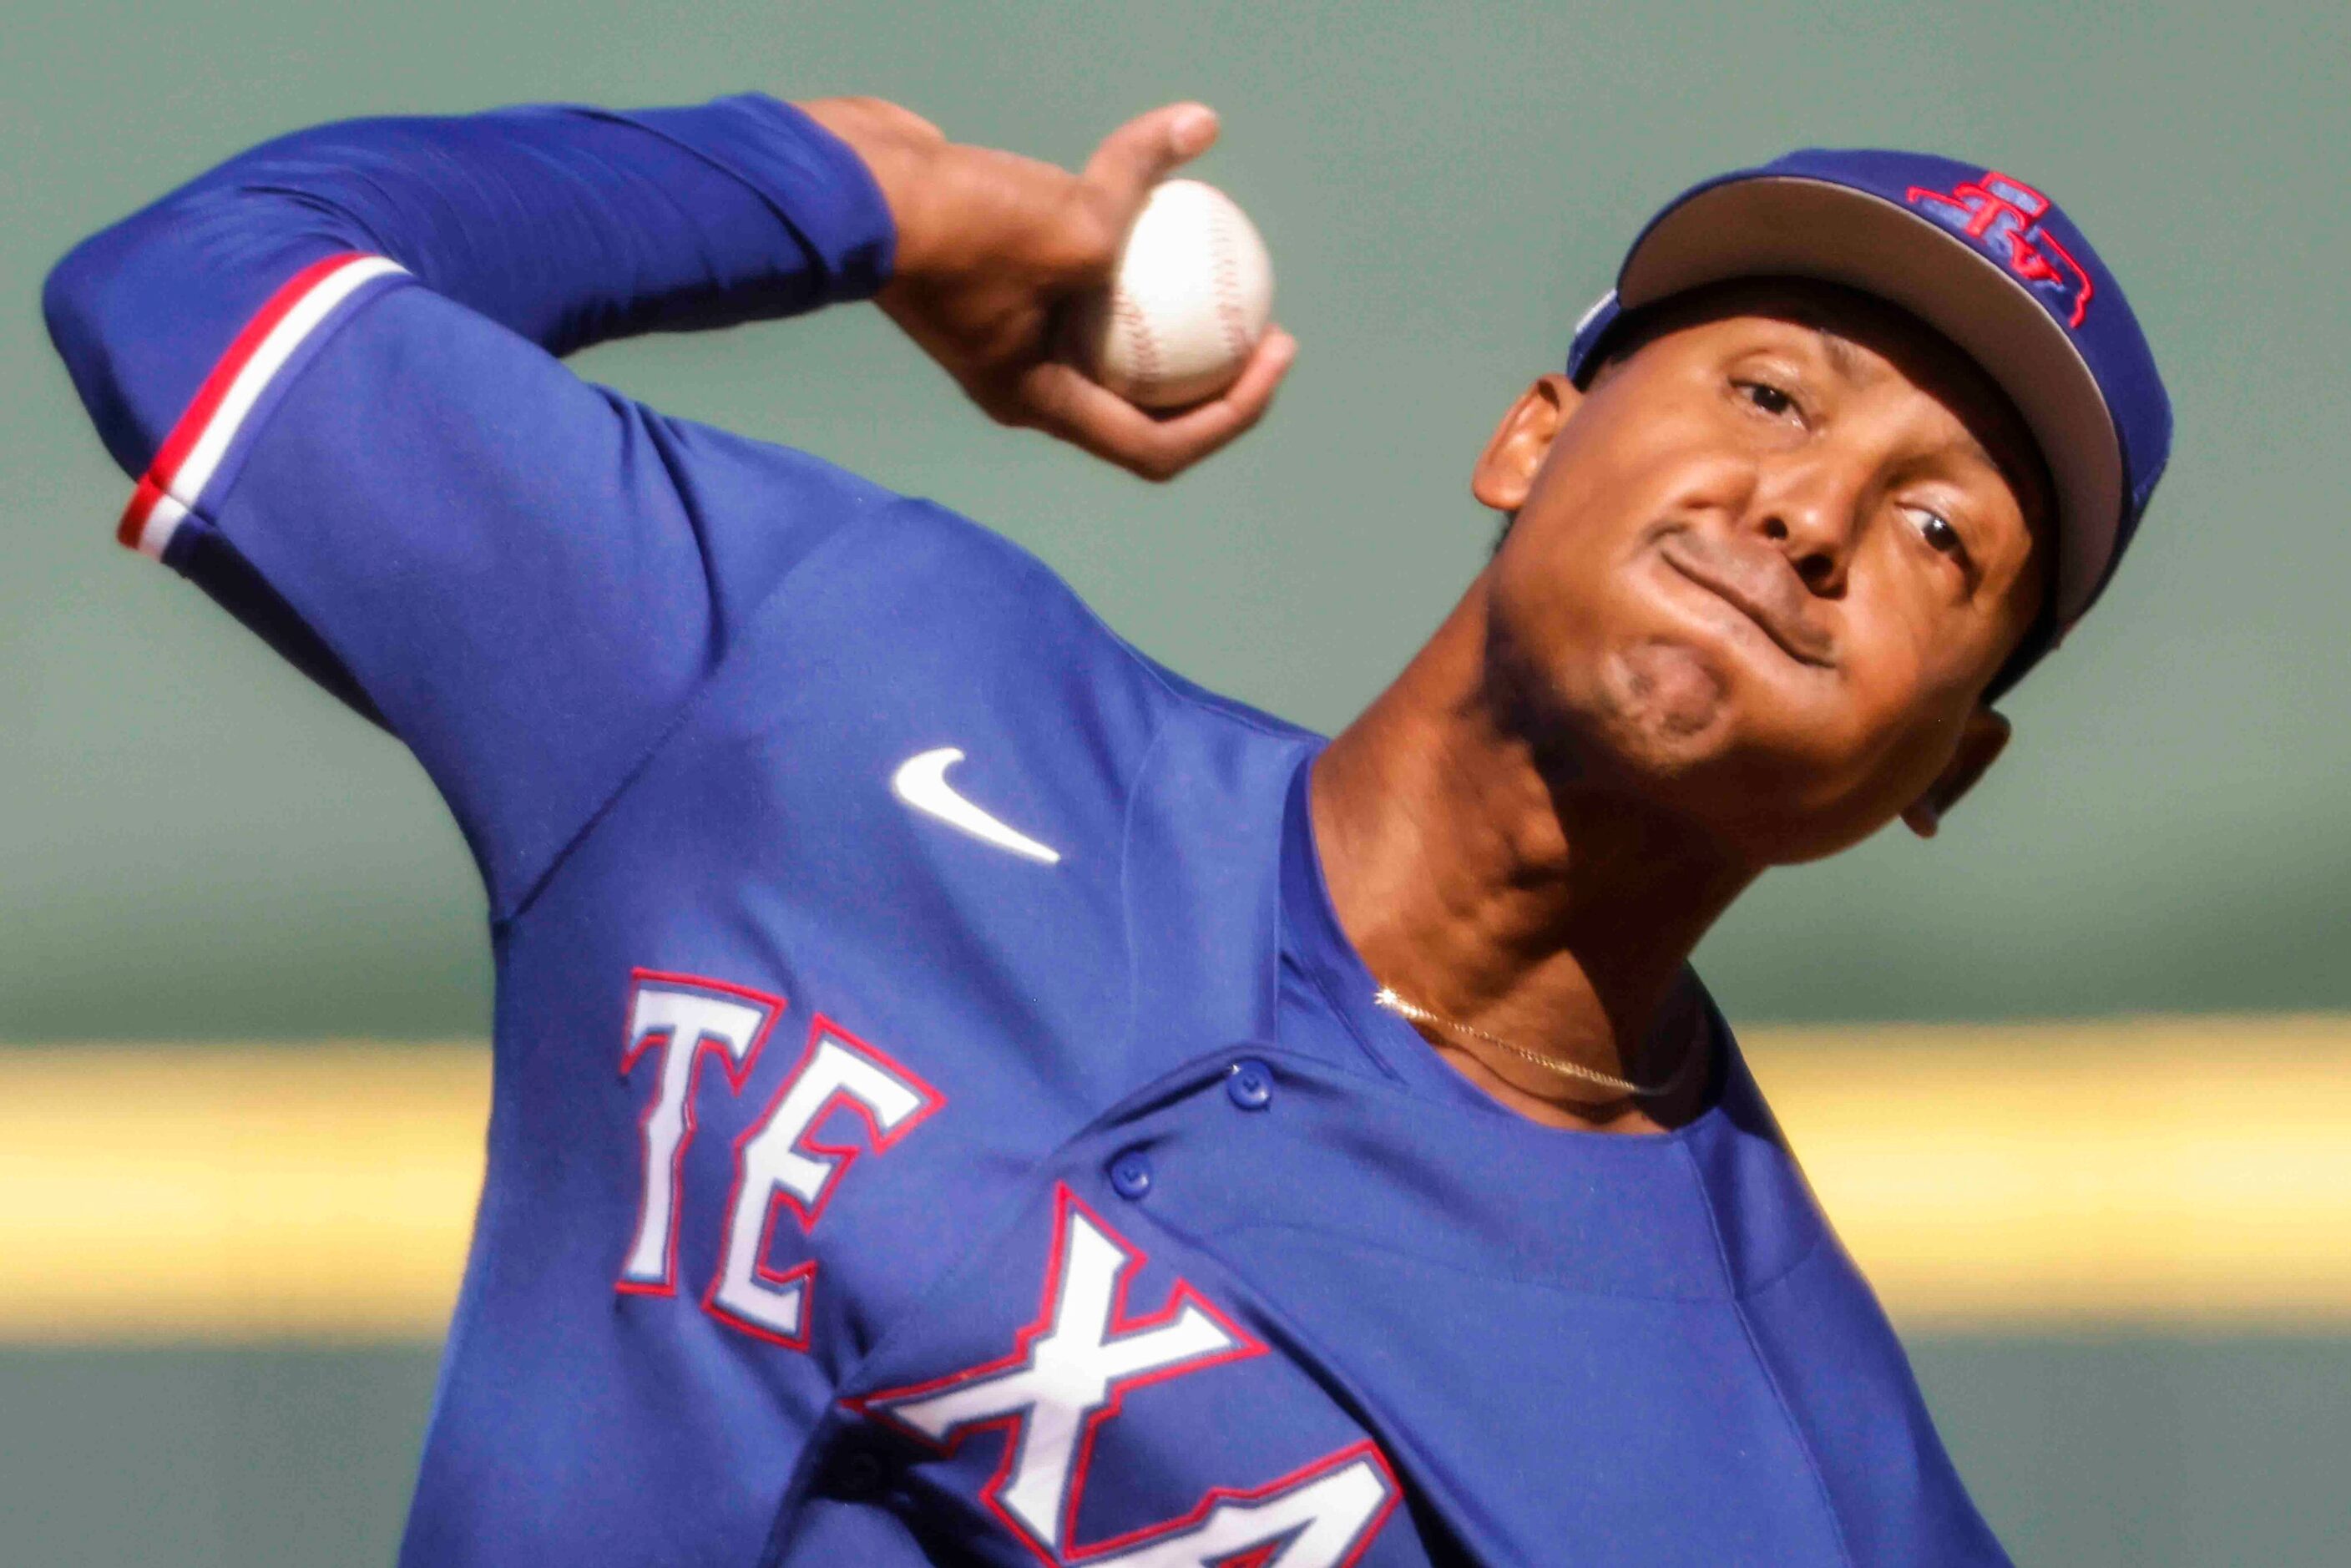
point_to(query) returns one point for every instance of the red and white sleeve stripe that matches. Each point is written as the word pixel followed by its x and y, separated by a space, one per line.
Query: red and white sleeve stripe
pixel 205 433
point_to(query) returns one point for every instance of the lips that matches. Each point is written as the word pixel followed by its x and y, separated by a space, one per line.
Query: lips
pixel 1764 591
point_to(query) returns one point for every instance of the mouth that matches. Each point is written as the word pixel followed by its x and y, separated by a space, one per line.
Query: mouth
pixel 1789 628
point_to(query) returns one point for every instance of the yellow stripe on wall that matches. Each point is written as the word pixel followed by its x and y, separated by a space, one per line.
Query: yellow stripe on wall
pixel 2151 1171
pixel 229 1193
pixel 2158 1172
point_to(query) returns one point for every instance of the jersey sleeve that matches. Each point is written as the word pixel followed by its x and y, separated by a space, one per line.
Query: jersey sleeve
pixel 331 367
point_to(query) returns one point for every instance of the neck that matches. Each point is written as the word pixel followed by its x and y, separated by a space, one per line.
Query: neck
pixel 1486 885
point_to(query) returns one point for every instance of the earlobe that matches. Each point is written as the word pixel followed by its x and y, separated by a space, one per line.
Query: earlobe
pixel 1981 744
pixel 1505 472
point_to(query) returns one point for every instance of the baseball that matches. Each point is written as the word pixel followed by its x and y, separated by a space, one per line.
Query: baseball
pixel 1191 297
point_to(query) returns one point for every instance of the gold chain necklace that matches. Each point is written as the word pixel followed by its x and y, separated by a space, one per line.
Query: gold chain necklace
pixel 1691 1057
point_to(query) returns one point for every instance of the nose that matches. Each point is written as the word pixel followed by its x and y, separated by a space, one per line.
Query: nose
pixel 1812 511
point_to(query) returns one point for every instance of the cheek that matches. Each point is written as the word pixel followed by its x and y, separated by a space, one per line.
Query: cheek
pixel 1550 582
pixel 1847 769
pixel 1610 473
pixel 1569 566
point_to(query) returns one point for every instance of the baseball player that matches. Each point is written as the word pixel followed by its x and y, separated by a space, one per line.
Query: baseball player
pixel 965 1094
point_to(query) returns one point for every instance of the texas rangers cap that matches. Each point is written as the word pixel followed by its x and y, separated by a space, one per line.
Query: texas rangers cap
pixel 1985 259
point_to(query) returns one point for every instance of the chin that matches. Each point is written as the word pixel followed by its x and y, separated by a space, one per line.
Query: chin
pixel 1670 708
pixel 1673 718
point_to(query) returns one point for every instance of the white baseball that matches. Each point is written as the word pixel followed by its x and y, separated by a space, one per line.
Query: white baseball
pixel 1192 296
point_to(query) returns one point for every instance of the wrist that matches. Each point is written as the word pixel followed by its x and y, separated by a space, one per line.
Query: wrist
pixel 900 151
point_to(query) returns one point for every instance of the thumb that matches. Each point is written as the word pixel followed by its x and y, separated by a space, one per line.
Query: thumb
pixel 1147 149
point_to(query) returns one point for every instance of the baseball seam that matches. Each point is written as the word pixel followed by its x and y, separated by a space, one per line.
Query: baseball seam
pixel 1225 269
pixel 1142 349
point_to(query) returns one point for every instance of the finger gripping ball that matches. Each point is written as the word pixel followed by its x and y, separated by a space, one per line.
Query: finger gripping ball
pixel 1191 296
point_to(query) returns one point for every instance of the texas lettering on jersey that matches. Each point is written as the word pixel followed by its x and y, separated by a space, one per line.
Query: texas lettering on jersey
pixel 679 1020
pixel 1068 1373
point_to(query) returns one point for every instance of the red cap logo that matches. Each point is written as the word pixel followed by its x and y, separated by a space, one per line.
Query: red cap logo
pixel 2002 216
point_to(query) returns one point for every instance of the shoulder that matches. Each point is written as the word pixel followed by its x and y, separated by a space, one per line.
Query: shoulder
pixel 1853 1399
pixel 980 612
pixel 1833 1355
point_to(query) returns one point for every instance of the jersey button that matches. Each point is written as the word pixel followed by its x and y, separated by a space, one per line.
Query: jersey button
pixel 1249 1085
pixel 1130 1174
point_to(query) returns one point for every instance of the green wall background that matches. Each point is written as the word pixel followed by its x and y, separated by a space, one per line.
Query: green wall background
pixel 194 846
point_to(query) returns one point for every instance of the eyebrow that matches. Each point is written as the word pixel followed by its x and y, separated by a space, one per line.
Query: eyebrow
pixel 1845 361
pixel 1837 352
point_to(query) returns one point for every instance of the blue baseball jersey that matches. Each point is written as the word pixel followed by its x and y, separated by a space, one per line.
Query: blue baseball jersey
pixel 938 1116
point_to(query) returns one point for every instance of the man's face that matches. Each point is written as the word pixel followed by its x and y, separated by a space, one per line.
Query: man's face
pixel 1762 570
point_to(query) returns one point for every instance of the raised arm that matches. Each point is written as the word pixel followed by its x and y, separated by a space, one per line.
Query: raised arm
pixel 566 225
pixel 571 225
pixel 330 364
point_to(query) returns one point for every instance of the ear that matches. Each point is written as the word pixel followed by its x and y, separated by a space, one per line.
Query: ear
pixel 1981 744
pixel 1505 474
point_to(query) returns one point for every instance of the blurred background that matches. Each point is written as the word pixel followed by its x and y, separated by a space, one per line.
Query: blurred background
pixel 2075 1079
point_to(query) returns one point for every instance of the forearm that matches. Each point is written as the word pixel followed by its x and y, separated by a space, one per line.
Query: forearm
pixel 568 226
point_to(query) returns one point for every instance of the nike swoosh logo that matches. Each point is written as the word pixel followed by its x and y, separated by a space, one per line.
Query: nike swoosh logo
pixel 921 781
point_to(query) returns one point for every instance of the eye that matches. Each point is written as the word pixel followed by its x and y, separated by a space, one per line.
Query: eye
pixel 1777 401
pixel 1937 531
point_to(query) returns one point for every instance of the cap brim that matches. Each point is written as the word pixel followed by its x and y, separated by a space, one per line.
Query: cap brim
pixel 1777 225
